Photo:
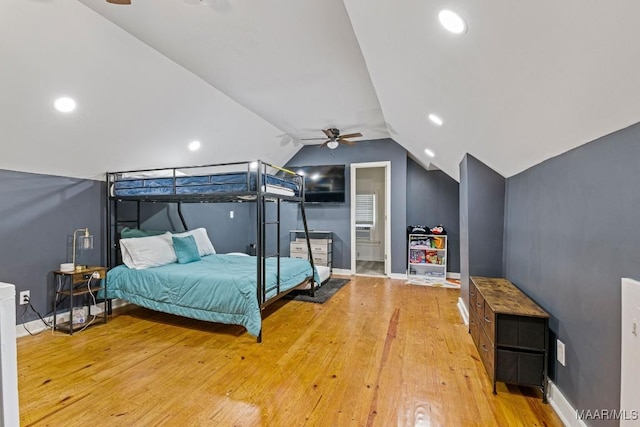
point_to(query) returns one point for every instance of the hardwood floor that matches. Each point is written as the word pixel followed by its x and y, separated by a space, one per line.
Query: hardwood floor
pixel 379 353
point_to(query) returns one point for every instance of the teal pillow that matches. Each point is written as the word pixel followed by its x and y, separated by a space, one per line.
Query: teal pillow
pixel 129 233
pixel 186 249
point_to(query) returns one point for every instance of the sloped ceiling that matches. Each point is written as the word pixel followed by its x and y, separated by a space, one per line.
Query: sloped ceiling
pixel 250 79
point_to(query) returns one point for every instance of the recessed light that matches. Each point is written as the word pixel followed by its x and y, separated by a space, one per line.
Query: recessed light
pixel 65 104
pixel 435 119
pixel 194 145
pixel 429 152
pixel 452 21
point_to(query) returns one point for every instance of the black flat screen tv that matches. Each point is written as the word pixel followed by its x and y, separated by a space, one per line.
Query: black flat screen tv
pixel 322 184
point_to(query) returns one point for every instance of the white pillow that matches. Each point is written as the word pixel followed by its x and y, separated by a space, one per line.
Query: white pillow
pixel 144 252
pixel 205 247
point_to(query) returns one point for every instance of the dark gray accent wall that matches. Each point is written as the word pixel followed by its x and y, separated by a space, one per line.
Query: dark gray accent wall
pixel 227 234
pixel 336 217
pixel 433 198
pixel 571 234
pixel 38 214
pixel 482 193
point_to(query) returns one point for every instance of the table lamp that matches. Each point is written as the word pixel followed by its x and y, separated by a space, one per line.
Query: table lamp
pixel 86 241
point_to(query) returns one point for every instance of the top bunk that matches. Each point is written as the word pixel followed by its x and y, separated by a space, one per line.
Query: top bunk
pixel 224 182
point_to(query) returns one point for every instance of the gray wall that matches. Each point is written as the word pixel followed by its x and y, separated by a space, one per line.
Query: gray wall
pixel 234 235
pixel 433 198
pixel 571 234
pixel 38 214
pixel 482 222
pixel 227 234
pixel 336 217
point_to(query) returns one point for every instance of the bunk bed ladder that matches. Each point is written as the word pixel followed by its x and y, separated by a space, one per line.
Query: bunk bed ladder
pixel 306 233
pixel 184 223
pixel 260 259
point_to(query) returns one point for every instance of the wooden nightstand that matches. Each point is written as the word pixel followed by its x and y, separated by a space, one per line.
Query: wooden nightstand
pixel 80 283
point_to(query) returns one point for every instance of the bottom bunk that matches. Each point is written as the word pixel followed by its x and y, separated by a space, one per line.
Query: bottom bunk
pixel 217 288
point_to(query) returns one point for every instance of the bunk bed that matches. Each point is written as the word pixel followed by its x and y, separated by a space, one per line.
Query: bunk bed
pixel 224 288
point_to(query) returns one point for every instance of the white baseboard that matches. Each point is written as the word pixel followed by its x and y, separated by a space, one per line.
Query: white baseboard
pixel 341 272
pixel 562 407
pixel 462 308
pixel 452 275
pixel 36 326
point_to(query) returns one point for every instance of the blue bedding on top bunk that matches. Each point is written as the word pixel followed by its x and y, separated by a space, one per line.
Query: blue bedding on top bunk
pixel 218 288
pixel 202 184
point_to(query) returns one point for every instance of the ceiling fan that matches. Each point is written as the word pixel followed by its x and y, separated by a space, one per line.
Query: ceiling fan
pixel 119 1
pixel 335 138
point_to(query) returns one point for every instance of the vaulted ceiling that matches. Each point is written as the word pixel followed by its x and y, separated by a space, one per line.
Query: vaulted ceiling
pixel 527 81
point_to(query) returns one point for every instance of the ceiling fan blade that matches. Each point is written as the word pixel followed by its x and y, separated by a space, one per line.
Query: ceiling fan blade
pixel 328 133
pixel 346 141
pixel 324 144
pixel 311 139
pixel 351 135
pixel 119 1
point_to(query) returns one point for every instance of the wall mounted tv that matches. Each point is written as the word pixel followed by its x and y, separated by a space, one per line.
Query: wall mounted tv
pixel 322 184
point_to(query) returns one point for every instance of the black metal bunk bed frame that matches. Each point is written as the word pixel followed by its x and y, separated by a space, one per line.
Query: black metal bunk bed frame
pixel 257 196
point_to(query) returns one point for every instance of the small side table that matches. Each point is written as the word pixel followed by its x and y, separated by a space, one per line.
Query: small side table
pixel 80 282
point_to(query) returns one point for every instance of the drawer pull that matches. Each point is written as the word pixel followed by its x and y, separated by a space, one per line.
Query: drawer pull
pixel 478 305
pixel 484 348
pixel 473 294
pixel 486 319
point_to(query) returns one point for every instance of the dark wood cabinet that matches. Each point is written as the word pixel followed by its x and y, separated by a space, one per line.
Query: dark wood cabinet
pixel 510 331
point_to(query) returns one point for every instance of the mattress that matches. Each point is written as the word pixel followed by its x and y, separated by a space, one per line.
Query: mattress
pixel 324 274
pixel 218 288
pixel 234 182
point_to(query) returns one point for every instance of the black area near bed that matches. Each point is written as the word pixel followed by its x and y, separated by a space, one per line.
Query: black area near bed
pixel 322 294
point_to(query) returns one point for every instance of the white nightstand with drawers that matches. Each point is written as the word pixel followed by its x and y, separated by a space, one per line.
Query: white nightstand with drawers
pixel 321 246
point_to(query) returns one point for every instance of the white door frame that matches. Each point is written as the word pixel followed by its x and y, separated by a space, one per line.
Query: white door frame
pixel 387 210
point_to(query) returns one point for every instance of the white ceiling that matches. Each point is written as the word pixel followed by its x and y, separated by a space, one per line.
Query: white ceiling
pixel 248 79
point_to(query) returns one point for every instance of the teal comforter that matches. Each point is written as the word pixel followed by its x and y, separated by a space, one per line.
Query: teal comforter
pixel 218 288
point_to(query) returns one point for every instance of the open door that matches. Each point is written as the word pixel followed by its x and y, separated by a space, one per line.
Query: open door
pixel 370 219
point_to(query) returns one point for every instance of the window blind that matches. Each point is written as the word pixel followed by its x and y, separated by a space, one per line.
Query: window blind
pixel 365 210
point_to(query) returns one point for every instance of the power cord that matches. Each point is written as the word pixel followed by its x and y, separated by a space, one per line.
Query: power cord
pixel 95 305
pixel 24 312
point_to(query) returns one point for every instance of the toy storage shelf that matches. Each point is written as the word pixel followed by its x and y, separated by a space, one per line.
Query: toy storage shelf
pixel 427 258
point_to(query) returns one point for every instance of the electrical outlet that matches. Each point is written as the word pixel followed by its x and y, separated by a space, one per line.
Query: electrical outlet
pixel 230 214
pixel 560 352
pixel 25 296
pixel 95 275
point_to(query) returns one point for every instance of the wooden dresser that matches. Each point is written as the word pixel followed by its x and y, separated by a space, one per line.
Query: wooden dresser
pixel 511 333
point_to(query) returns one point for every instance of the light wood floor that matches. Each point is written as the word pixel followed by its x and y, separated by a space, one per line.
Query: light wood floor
pixel 379 353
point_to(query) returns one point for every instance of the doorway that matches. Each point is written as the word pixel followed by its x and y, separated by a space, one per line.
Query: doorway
pixel 370 216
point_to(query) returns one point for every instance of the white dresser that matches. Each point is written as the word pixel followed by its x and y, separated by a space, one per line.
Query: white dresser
pixel 321 246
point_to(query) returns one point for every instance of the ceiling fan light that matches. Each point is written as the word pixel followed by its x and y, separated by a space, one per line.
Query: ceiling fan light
pixel 332 144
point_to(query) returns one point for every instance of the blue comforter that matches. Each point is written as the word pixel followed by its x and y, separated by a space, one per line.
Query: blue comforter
pixel 218 288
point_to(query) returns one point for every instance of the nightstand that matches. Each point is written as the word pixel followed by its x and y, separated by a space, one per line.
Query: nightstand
pixel 80 283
